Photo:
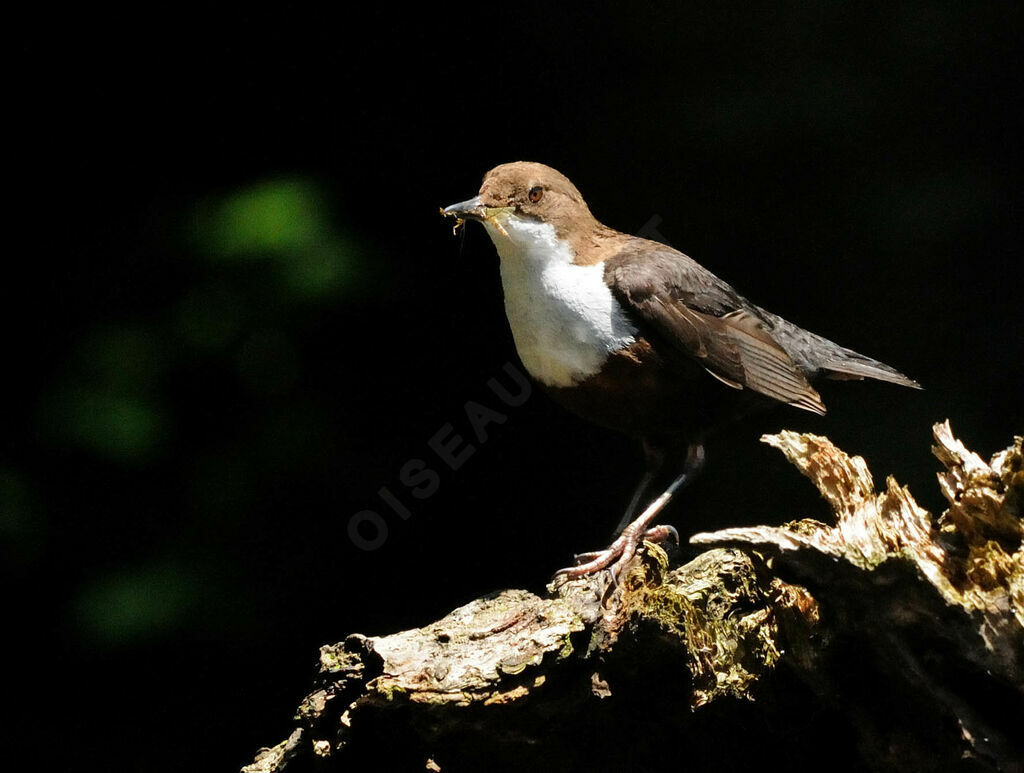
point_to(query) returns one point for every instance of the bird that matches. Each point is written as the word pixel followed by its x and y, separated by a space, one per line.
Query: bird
pixel 633 335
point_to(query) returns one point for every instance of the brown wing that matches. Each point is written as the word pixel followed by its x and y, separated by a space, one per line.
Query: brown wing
pixel 705 319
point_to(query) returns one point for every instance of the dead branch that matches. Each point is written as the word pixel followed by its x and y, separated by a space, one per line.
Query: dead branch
pixel 893 636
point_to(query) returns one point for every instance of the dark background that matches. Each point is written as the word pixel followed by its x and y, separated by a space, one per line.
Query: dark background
pixel 232 313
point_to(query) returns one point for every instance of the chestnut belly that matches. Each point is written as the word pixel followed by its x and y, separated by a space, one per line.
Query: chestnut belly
pixel 642 393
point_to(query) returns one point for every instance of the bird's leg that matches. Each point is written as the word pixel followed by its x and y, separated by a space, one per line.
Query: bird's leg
pixel 655 460
pixel 619 553
pixel 654 534
pixel 634 503
pixel 655 457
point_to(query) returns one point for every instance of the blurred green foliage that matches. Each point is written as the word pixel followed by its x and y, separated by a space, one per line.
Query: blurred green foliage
pixel 22 525
pixel 126 427
pixel 284 221
pixel 109 400
pixel 140 602
pixel 130 396
pixel 210 316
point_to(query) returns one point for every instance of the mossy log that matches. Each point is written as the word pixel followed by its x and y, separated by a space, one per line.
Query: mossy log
pixel 888 640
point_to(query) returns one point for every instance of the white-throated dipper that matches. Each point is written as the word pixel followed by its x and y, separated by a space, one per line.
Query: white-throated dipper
pixel 636 336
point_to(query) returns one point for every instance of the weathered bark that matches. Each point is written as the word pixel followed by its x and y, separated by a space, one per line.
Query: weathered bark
pixel 889 640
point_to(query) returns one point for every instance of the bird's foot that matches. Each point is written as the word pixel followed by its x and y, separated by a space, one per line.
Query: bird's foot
pixel 654 534
pixel 618 554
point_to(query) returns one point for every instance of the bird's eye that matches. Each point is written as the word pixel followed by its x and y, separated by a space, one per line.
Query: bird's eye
pixel 535 194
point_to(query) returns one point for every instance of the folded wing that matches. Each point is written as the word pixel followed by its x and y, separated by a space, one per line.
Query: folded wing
pixel 703 318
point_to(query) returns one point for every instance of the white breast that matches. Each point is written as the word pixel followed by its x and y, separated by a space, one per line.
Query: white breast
pixel 564 319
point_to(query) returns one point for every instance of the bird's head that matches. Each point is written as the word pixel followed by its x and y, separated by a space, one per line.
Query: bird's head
pixel 515 198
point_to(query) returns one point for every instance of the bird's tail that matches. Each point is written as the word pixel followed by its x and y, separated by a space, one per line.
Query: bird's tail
pixel 849 365
pixel 816 355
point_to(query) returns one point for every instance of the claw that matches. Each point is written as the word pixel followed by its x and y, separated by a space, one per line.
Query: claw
pixel 662 533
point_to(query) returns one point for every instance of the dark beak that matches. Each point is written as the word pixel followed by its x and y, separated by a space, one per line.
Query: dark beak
pixel 471 209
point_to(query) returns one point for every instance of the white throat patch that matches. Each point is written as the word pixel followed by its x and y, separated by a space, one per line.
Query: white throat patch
pixel 564 318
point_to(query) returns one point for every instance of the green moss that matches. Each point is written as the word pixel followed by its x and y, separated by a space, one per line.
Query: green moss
pixel 725 623
pixel 566 649
pixel 390 691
